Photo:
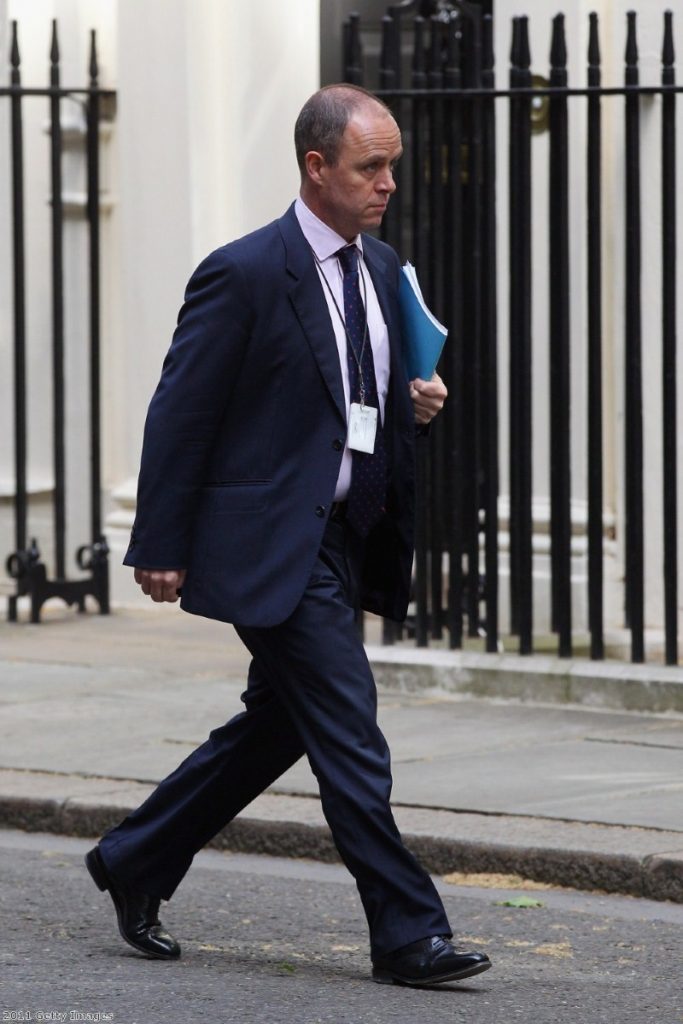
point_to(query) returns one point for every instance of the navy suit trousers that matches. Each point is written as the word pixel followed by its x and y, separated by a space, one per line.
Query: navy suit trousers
pixel 310 690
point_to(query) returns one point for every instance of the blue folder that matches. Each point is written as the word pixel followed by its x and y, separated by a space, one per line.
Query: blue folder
pixel 422 334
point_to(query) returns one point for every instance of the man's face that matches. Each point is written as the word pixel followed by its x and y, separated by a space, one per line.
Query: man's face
pixel 353 194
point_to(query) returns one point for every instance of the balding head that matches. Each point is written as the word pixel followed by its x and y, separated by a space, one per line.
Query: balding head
pixel 324 117
pixel 348 144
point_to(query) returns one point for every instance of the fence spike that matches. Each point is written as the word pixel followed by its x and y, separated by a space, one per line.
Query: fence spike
pixel 488 53
pixel 94 68
pixel 454 38
pixel 15 57
pixel 346 60
pixel 418 53
pixel 524 47
pixel 594 56
pixel 419 72
pixel 54 55
pixel 387 63
pixel 354 70
pixel 558 49
pixel 632 41
pixel 452 73
pixel 54 46
pixel 520 56
pixel 668 49
pixel 514 45
pixel 435 55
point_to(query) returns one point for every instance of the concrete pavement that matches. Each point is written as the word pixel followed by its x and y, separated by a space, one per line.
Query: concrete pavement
pixel 95 710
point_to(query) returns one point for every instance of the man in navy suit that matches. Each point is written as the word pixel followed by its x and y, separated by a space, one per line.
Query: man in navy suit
pixel 276 493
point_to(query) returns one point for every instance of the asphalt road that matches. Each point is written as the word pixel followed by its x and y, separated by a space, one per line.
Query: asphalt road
pixel 283 942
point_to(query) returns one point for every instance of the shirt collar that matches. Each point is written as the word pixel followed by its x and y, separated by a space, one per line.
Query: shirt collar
pixel 323 240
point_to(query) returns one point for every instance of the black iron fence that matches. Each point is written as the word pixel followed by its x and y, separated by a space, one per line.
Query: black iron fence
pixel 25 564
pixel 437 75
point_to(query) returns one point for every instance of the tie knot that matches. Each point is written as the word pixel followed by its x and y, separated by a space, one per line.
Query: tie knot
pixel 348 257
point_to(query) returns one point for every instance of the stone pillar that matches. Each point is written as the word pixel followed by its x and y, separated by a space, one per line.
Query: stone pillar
pixel 208 95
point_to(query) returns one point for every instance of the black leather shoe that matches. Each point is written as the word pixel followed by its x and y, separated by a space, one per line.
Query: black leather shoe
pixel 137 913
pixel 427 962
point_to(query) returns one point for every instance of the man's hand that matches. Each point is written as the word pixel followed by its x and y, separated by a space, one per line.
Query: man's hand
pixel 161 584
pixel 428 398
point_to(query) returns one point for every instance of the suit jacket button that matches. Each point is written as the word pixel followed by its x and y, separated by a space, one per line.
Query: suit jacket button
pixel 337 444
pixel 320 511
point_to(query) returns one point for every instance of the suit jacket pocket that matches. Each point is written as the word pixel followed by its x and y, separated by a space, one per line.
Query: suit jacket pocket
pixel 233 497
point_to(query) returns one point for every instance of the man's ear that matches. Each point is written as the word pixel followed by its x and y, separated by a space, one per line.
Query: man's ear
pixel 315 163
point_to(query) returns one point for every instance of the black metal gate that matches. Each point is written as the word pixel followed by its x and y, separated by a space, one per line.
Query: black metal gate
pixel 25 565
pixel 437 75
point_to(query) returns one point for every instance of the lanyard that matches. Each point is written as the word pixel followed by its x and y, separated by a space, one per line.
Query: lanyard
pixel 361 382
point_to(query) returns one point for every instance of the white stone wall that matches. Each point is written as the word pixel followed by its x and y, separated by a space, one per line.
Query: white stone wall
pixel 208 95
pixel 200 152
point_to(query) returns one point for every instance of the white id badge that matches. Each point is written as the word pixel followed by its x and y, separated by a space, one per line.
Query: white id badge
pixel 362 428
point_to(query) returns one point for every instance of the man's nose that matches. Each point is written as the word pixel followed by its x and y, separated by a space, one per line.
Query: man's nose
pixel 386 182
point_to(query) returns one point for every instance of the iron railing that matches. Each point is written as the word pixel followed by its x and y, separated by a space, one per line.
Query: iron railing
pixel 437 75
pixel 25 565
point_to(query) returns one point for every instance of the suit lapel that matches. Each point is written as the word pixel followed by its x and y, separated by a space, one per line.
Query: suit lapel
pixel 385 289
pixel 400 404
pixel 308 300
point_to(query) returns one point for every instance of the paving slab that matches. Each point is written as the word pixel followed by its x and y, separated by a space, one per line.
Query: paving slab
pixel 457 754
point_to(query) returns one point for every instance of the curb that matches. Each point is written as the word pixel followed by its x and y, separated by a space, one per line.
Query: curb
pixel 618 686
pixel 653 876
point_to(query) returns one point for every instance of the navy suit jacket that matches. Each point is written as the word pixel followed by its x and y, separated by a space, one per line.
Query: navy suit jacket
pixel 245 433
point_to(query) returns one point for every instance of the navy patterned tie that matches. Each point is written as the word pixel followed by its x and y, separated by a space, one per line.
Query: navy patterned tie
pixel 367 494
